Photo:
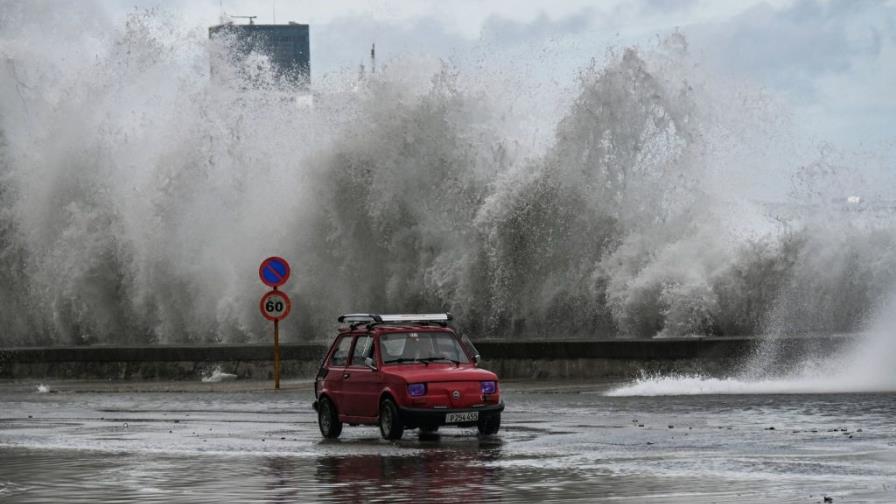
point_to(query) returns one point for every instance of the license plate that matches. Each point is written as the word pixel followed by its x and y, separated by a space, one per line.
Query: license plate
pixel 471 416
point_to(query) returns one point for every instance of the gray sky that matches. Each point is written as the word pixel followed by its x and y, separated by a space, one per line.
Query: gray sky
pixel 832 62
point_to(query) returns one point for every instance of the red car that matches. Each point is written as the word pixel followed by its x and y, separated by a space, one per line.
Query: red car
pixel 404 372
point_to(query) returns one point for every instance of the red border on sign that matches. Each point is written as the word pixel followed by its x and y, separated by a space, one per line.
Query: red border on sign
pixel 265 263
pixel 270 294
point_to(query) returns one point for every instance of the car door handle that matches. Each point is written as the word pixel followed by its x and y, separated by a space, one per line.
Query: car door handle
pixel 345 375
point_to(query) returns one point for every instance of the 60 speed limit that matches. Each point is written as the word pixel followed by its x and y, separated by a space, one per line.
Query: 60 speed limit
pixel 275 305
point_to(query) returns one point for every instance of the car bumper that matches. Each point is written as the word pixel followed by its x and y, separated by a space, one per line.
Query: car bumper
pixel 433 416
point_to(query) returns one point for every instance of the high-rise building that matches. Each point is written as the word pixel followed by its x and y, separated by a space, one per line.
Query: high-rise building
pixel 286 45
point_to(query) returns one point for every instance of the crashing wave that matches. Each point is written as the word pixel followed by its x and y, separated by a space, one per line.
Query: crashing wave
pixel 137 196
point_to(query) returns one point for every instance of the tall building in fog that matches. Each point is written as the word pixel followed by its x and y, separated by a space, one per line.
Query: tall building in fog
pixel 286 45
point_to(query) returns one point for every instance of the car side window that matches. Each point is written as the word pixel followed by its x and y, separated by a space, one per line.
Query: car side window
pixel 363 349
pixel 340 355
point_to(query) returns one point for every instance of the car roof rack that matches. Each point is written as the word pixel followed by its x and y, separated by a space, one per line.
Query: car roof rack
pixel 371 319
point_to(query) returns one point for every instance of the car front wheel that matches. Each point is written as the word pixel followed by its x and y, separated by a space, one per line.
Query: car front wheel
pixel 390 423
pixel 489 424
pixel 327 419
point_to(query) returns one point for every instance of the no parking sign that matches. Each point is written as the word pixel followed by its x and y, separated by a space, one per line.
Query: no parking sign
pixel 274 271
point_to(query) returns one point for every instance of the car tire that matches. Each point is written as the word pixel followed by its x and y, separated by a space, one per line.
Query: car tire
pixel 391 427
pixel 328 419
pixel 489 424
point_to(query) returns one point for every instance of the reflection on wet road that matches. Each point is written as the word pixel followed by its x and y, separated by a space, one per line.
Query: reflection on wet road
pixel 240 441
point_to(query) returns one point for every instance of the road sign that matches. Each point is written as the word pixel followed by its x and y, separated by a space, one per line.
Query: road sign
pixel 274 271
pixel 275 305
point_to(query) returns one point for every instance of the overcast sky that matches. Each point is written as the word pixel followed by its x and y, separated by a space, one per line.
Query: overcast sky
pixel 833 62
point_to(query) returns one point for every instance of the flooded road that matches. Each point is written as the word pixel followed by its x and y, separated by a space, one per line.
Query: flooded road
pixel 242 441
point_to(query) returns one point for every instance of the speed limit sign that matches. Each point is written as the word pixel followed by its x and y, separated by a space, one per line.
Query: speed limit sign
pixel 275 305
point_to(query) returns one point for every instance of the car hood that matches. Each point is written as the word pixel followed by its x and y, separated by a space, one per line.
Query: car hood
pixel 438 372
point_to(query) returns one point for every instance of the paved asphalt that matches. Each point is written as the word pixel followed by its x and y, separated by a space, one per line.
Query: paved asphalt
pixel 242 441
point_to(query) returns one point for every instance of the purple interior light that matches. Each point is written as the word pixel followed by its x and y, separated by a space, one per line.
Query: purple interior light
pixel 489 387
pixel 417 389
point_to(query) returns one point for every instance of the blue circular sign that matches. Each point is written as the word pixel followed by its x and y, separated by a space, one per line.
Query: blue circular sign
pixel 274 271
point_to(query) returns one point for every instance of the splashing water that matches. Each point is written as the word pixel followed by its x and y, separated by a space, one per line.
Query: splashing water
pixel 217 375
pixel 866 367
pixel 137 195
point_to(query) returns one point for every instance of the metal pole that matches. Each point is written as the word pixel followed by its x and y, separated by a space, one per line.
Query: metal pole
pixel 276 354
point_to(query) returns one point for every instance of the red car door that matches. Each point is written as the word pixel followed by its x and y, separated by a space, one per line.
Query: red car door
pixel 335 368
pixel 361 385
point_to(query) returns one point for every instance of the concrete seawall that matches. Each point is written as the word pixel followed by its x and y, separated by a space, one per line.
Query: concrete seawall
pixel 604 359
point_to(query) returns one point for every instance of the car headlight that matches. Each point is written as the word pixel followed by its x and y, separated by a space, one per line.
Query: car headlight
pixel 416 389
pixel 489 387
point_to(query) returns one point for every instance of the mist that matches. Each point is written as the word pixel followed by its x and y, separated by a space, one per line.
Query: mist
pixel 138 195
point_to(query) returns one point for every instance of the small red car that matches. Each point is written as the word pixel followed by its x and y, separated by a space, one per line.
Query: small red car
pixel 404 372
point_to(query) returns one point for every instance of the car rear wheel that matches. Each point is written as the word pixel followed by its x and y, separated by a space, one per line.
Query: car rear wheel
pixel 390 423
pixel 489 424
pixel 328 419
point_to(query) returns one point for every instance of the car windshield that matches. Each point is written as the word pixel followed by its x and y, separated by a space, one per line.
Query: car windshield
pixel 398 348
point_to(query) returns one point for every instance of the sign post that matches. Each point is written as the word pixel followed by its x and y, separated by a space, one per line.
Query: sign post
pixel 275 304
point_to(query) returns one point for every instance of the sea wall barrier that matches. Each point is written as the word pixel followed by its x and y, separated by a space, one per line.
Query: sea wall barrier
pixel 600 359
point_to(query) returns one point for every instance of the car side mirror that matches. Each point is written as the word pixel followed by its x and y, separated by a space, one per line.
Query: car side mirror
pixel 476 359
pixel 369 363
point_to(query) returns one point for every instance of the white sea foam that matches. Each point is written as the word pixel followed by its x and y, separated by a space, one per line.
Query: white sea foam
pixel 217 375
pixel 704 385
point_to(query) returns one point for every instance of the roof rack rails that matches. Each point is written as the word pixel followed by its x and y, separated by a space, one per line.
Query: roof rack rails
pixel 359 317
pixel 371 319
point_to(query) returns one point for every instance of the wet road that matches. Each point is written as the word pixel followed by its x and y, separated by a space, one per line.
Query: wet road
pixel 241 441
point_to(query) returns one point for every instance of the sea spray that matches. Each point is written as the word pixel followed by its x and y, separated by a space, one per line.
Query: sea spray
pixel 138 193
